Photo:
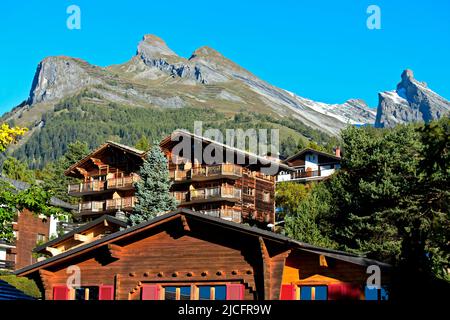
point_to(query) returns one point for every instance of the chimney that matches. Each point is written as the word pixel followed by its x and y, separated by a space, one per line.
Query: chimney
pixel 337 152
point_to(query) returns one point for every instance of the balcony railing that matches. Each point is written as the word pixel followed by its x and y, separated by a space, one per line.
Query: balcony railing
pixel 126 203
pixel 203 172
pixel 226 214
pixel 123 182
pixel 304 174
pixel 207 193
pixel 120 203
pixel 90 186
pixel 7 265
pixel 92 206
pixel 217 170
pixel 97 185
pixel 215 192
pixel 180 196
pixel 178 175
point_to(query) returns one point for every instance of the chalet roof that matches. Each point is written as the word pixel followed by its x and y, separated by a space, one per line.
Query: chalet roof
pixel 250 155
pixel 117 145
pixel 56 202
pixel 351 258
pixel 83 228
pixel 310 150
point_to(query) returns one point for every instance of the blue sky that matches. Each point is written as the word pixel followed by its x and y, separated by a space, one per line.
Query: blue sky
pixel 318 49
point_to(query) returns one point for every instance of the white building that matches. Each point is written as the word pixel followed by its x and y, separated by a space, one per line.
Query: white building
pixel 310 165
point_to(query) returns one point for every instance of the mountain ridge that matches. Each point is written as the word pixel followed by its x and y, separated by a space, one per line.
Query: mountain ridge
pixel 158 78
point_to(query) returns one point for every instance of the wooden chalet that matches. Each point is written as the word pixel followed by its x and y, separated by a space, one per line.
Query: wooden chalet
pixel 107 180
pixel 186 255
pixel 310 165
pixel 233 188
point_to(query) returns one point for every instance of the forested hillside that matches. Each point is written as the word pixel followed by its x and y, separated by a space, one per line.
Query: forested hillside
pixel 87 118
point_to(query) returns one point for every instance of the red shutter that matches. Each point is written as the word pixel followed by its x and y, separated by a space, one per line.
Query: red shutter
pixel 150 292
pixel 60 293
pixel 343 291
pixel 106 293
pixel 235 292
pixel 288 292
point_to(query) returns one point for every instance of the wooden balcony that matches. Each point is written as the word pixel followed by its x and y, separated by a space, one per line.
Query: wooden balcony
pixel 216 171
pixel 207 172
pixel 226 214
pixel 178 175
pixel 123 183
pixel 208 194
pixel 121 203
pixel 79 189
pixel 94 207
pixel 96 186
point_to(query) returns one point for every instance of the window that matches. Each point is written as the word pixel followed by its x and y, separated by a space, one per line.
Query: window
pixel 313 293
pixel 177 293
pixel 190 292
pixel 212 292
pixel 266 196
pixel 249 191
pixel 86 293
pixel 40 238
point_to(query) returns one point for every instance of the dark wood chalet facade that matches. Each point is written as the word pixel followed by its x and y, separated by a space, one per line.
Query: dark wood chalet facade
pixel 192 256
pixel 107 180
pixel 225 189
pixel 233 188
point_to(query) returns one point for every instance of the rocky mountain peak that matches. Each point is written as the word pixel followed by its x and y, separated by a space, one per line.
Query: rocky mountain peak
pixel 57 76
pixel 151 47
pixel 411 101
pixel 206 52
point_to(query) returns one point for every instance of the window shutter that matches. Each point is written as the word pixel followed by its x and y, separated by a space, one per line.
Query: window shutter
pixel 288 292
pixel 106 293
pixel 150 292
pixel 343 291
pixel 235 292
pixel 335 291
pixel 60 293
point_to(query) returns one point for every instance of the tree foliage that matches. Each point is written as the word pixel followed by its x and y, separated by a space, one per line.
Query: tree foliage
pixel 143 144
pixel 34 198
pixel 15 169
pixel 390 200
pixel 9 135
pixel 52 175
pixel 152 190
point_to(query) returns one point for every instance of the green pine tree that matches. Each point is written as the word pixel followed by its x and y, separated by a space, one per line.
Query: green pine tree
pixel 152 190
pixel 143 144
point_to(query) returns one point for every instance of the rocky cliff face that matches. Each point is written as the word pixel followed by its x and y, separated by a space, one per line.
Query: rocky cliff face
pixel 412 101
pixel 57 77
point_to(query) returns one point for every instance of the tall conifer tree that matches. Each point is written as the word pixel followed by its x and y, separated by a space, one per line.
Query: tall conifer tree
pixel 152 190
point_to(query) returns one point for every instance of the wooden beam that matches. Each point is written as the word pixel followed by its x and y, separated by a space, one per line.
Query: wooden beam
pixel 185 223
pixel 82 237
pixel 115 250
pixel 266 268
pixel 53 251
pixel 46 279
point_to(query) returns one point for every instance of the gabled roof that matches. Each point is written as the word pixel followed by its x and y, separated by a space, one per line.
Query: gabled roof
pixel 351 258
pixel 134 151
pixel 56 202
pixel 259 159
pixel 83 228
pixel 310 150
